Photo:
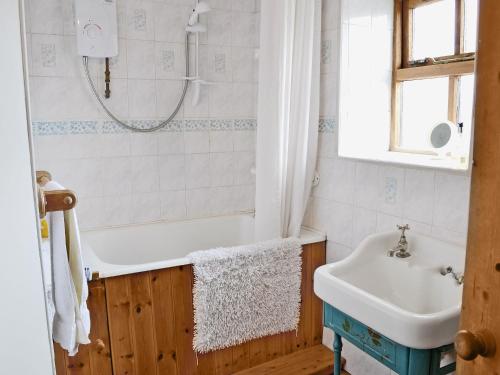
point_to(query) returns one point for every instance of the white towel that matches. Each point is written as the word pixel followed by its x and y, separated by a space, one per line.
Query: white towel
pixel 71 325
pixel 245 292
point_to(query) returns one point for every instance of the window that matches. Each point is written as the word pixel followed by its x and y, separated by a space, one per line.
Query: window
pixel 433 82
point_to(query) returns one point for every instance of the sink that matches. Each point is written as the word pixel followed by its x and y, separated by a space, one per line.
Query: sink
pixel 407 300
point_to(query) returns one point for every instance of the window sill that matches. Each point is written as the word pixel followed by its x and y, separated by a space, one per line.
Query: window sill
pixel 413 160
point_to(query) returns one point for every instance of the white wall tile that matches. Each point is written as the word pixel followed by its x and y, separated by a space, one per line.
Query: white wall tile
pixel 244 140
pixel 170 22
pixel 170 60
pixel 419 195
pixel 219 64
pixel 243 164
pixel 171 143
pixel 244 29
pixel 244 5
pixel 342 180
pixel 173 205
pixel 168 94
pixel 244 64
pixel 222 169
pixel 197 171
pixel 47 55
pixel 330 14
pixel 391 190
pixel 198 202
pixel 172 172
pixel 340 228
pixel 116 210
pixel 115 176
pixel 143 144
pixel 244 100
pixel 46 17
pixel 365 223
pixel 221 100
pixel 142 98
pixel 451 202
pixel 141 59
pixel 146 207
pixel 367 177
pixel 197 142
pixel 145 174
pixel 221 141
pixel 140 19
pixel 219 28
pixel 118 102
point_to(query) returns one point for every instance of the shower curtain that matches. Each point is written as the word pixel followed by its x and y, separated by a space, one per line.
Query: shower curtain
pixel 288 114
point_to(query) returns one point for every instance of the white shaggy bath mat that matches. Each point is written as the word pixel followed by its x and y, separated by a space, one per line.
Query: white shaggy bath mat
pixel 245 292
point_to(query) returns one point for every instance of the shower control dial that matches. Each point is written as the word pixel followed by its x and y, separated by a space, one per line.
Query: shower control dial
pixel 92 30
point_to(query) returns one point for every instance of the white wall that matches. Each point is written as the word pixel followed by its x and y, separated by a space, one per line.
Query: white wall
pixel 199 165
pixel 25 346
pixel 356 198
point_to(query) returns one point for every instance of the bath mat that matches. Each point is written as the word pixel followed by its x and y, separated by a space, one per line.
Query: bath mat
pixel 245 292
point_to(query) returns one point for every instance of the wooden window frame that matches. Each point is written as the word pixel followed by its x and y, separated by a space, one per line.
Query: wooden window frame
pixel 406 69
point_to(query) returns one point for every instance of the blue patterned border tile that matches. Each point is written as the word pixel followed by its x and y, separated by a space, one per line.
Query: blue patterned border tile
pixel 111 127
pixel 196 125
pixel 173 126
pixel 64 127
pixel 41 128
pixel 326 125
pixel 82 127
pixel 247 124
pixel 221 124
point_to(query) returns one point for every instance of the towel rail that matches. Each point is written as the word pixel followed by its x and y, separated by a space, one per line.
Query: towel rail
pixel 53 200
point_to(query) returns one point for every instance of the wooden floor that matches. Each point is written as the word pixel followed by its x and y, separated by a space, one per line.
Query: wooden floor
pixel 316 360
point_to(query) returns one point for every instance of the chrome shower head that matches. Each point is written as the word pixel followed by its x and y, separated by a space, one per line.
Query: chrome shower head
pixel 201 7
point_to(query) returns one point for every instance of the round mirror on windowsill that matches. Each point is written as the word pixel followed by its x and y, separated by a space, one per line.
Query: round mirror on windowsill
pixel 442 137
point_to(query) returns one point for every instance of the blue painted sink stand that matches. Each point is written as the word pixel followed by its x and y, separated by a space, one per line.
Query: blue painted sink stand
pixel 399 358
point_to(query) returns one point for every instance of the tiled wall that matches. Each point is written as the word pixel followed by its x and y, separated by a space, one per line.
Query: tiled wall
pixel 356 198
pixel 200 165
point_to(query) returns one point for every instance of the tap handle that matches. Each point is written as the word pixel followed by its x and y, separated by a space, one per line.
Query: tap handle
pixel 403 228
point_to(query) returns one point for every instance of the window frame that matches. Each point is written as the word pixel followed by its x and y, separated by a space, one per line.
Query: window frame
pixel 407 69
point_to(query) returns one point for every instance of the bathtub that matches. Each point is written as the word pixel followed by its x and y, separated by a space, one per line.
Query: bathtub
pixel 138 248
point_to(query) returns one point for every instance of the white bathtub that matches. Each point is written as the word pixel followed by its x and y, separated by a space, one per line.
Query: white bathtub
pixel 138 248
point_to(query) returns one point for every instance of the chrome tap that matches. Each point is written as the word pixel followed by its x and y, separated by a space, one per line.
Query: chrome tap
pixel 458 278
pixel 401 249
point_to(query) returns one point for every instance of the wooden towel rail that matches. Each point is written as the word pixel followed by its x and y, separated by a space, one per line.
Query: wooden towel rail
pixel 53 200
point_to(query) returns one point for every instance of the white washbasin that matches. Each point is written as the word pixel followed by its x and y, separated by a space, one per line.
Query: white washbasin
pixel 406 300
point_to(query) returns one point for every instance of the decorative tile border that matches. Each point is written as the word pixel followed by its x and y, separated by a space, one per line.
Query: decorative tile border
pixel 111 127
pixel 65 127
pixel 41 128
pixel 245 124
pixel 326 125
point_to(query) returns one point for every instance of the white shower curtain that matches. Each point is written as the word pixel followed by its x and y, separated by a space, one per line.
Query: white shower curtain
pixel 288 114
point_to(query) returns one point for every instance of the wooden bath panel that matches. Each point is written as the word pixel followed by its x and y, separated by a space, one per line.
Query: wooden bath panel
pixel 150 318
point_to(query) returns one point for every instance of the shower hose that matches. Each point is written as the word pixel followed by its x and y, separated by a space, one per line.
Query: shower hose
pixel 130 127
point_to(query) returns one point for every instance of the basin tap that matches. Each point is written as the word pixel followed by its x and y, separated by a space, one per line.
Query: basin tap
pixel 458 278
pixel 401 249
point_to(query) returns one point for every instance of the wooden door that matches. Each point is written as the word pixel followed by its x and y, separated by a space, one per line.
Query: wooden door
pixel 94 358
pixel 480 319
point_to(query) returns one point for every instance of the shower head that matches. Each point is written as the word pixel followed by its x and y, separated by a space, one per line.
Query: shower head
pixel 201 7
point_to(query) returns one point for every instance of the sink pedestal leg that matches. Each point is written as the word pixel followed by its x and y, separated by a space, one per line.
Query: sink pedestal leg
pixel 337 351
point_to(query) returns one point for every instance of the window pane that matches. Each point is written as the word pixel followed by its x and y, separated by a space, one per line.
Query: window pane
pixel 470 38
pixel 424 104
pixel 434 30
